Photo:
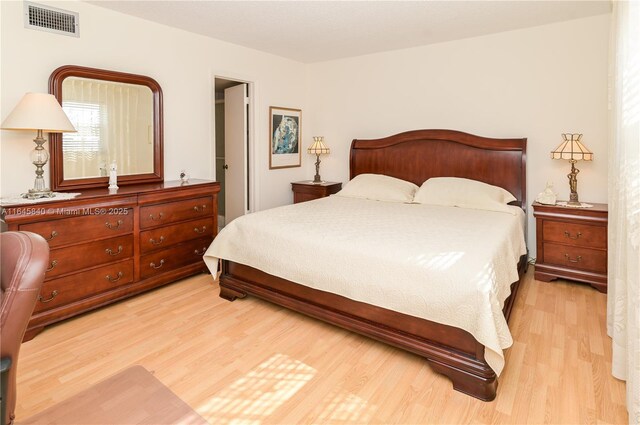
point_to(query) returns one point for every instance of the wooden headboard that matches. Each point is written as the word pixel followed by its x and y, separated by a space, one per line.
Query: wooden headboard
pixel 418 155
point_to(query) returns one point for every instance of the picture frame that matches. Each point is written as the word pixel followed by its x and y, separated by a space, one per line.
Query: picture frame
pixel 285 137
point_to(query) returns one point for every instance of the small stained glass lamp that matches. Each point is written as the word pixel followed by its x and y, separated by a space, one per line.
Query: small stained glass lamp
pixel 40 112
pixel 318 148
pixel 573 150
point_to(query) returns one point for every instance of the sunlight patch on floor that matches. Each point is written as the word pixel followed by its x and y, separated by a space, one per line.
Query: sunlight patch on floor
pixel 256 395
pixel 346 408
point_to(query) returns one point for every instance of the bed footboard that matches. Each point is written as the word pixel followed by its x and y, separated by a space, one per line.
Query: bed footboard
pixel 450 351
pixel 230 294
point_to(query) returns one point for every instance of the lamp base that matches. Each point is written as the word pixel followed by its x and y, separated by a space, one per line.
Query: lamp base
pixel 573 185
pixel 573 199
pixel 39 158
pixel 38 194
pixel 316 178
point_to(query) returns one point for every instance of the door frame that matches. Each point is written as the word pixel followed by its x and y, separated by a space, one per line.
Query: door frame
pixel 252 134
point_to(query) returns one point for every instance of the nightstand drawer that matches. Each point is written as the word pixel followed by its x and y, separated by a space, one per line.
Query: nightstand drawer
pixel 308 191
pixel 577 234
pixel 304 197
pixel 575 257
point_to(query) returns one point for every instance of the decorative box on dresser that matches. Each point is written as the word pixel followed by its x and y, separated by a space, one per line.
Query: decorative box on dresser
pixel 108 246
pixel 308 190
pixel 572 244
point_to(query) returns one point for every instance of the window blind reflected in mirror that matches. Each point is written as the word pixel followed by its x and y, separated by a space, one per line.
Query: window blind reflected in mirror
pixel 114 122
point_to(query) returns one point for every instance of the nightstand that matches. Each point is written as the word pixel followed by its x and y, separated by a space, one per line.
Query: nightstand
pixel 308 190
pixel 572 244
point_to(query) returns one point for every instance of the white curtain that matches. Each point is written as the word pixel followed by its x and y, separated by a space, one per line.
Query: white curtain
pixel 113 121
pixel 623 309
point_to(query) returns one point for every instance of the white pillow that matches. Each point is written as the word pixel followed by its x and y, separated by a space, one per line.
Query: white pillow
pixel 379 188
pixel 464 193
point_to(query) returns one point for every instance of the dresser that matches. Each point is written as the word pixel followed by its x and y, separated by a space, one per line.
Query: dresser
pixel 308 190
pixel 109 246
pixel 571 243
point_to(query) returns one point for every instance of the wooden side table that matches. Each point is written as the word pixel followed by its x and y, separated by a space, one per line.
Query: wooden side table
pixel 572 244
pixel 308 190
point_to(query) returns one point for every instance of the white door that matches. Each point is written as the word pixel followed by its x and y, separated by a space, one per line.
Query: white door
pixel 235 151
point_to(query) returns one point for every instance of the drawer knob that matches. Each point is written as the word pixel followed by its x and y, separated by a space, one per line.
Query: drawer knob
pixel 111 252
pixel 156 242
pixel 53 235
pixel 153 265
pixel 200 253
pixel 204 229
pixel 199 208
pixel 156 218
pixel 54 294
pixel 114 226
pixel 568 235
pixel 114 279
pixel 577 260
pixel 52 265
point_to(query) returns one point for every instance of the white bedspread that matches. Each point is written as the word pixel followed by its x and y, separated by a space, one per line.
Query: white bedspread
pixel 445 264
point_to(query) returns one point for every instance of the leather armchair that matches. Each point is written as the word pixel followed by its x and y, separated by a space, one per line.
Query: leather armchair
pixel 24 258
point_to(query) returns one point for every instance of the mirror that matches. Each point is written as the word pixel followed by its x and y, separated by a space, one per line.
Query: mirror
pixel 119 119
pixel 114 123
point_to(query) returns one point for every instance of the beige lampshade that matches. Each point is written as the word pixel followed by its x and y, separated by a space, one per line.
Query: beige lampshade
pixel 572 148
pixel 318 147
pixel 38 111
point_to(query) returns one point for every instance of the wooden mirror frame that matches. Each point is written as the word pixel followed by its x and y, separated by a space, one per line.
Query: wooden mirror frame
pixel 56 167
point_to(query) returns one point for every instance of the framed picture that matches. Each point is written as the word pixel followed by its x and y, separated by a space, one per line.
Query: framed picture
pixel 285 137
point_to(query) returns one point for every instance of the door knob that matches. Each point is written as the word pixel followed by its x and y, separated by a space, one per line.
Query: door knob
pixel 226 167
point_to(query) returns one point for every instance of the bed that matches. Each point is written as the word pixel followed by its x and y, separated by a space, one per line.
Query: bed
pixel 449 346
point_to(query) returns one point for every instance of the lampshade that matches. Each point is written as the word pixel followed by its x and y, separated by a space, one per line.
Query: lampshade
pixel 38 111
pixel 318 147
pixel 572 148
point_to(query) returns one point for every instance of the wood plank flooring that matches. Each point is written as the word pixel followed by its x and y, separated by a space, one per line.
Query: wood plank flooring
pixel 250 362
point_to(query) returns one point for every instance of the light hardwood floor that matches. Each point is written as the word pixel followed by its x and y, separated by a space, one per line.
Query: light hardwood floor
pixel 250 362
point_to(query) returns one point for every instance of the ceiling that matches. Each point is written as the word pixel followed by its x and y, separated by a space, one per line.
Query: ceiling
pixel 314 31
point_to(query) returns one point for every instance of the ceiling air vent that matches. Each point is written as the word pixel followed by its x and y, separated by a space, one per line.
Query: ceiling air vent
pixel 50 19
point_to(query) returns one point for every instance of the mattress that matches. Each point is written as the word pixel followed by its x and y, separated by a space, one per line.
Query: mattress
pixel 448 265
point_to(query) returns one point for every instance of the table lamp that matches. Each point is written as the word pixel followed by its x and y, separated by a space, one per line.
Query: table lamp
pixel 318 148
pixel 573 150
pixel 40 112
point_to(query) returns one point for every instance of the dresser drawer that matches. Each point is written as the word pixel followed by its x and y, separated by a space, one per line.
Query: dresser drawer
pixel 71 230
pixel 577 234
pixel 172 212
pixel 65 290
pixel 78 257
pixel 170 259
pixel 171 235
pixel 575 257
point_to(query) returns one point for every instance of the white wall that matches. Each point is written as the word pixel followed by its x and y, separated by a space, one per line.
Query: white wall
pixel 536 83
pixel 183 63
